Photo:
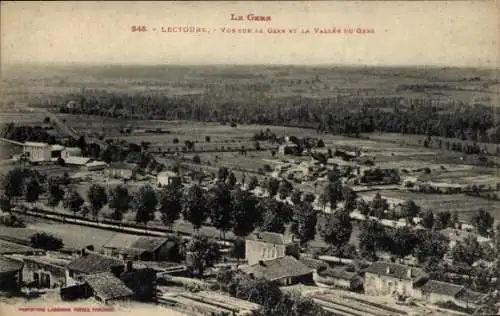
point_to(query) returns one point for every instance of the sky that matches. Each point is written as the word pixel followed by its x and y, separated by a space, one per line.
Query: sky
pixel 441 33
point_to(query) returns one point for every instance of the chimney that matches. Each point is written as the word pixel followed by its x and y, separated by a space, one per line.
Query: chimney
pixel 409 274
pixel 388 270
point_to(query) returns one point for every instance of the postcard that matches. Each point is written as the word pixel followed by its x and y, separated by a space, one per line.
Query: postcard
pixel 249 158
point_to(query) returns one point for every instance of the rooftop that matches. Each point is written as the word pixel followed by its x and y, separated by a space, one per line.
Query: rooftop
pixel 107 286
pixel 394 270
pixel 470 296
pixel 7 247
pixel 273 238
pixel 444 288
pixel 35 144
pixel 9 265
pixel 277 268
pixel 124 241
pixel 79 161
pixel 168 174
pixel 94 263
pixel 56 147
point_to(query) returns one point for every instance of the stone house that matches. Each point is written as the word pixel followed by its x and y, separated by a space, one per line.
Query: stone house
pixel 91 263
pixel 106 288
pixel 265 246
pixel 44 271
pixel 382 278
pixel 435 291
pixel 132 247
pixel 284 271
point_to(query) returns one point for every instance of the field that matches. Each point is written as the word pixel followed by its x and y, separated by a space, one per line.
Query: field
pixel 465 205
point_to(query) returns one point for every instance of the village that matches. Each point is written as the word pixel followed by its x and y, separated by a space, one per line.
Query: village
pixel 316 222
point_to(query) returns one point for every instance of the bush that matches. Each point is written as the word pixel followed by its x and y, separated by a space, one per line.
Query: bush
pixel 46 241
pixel 12 221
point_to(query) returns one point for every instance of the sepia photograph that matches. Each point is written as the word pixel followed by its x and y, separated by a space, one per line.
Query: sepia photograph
pixel 250 158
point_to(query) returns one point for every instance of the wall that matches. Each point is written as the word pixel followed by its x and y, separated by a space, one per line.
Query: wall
pixel 384 285
pixel 258 250
pixel 56 274
pixel 37 153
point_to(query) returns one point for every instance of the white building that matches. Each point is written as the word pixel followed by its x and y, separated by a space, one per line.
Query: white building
pixel 168 177
pixel 37 152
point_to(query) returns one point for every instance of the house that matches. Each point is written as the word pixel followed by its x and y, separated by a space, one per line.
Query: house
pixel 382 278
pixel 168 177
pixel 56 151
pixel 435 291
pixel 106 288
pixel 284 270
pixel 265 246
pixel 71 152
pixel 44 271
pixel 339 277
pixel 133 247
pixel 36 151
pixel 11 275
pixel 91 263
pixel 121 170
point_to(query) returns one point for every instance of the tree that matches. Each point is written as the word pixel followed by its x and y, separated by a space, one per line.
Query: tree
pixel 222 174
pixel 372 237
pixel 379 205
pixel 273 186
pixel 304 222
pixel 430 244
pixel 427 219
pixel 207 139
pixel 349 197
pixel 467 251
pixel 13 183
pixel 46 241
pixel 410 210
pixel 253 183
pixel 333 193
pixel 244 214
pixel 56 194
pixel 483 222
pixel 296 196
pixel 219 205
pixel 33 191
pixel 5 204
pixel 402 241
pixel 443 219
pixel 363 207
pixel 337 231
pixel 201 253
pixel 119 201
pixel 74 202
pixel 170 204
pixel 145 202
pixel 272 217
pixel 238 249
pixel 231 180
pixel 194 204
pixel 97 198
pixel 284 189
pixel 196 159
pixel 309 198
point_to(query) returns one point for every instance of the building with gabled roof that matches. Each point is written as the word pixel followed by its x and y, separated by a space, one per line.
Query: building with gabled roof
pixel 435 291
pixel 265 246
pixel 133 247
pixel 91 263
pixel 105 287
pixel 10 274
pixel 383 278
pixel 284 270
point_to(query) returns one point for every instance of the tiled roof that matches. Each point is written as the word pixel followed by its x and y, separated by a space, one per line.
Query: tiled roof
pixel 94 263
pixel 107 286
pixel 470 296
pixel 397 271
pixel 7 247
pixel 313 263
pixel 123 241
pixel 443 288
pixel 277 268
pixel 9 265
pixel 273 238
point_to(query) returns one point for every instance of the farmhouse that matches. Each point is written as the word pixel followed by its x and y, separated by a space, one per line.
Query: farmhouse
pixel 436 291
pixel 265 246
pixel 10 274
pixel 44 271
pixel 339 278
pixel 132 247
pixel 121 170
pixel 383 278
pixel 36 151
pixel 284 271
pixel 168 177
pixel 91 263
pixel 105 287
